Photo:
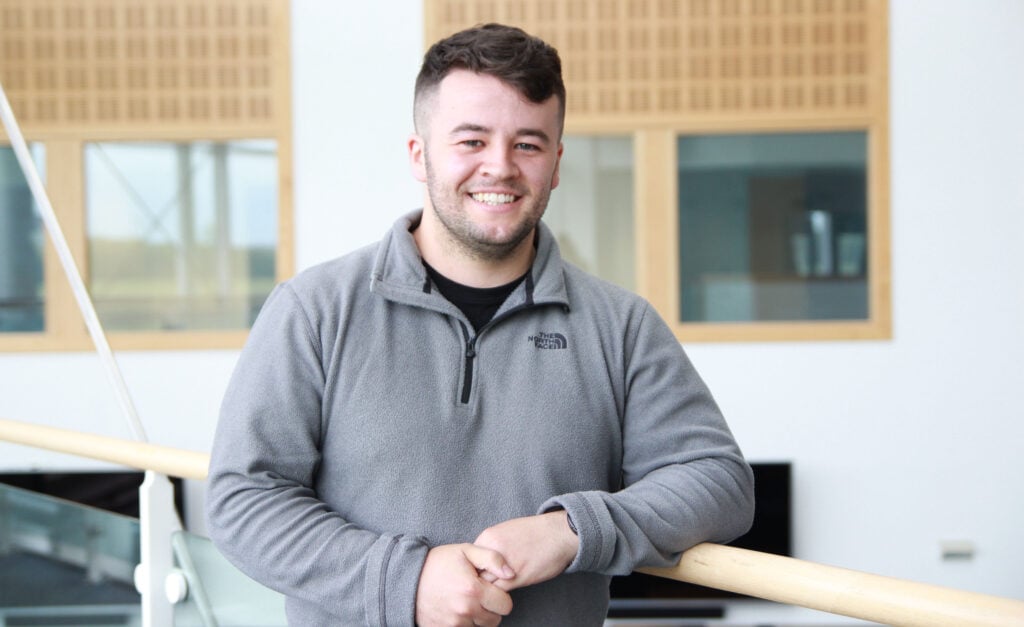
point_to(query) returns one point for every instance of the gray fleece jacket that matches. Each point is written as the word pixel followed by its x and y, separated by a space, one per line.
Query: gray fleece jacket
pixel 366 422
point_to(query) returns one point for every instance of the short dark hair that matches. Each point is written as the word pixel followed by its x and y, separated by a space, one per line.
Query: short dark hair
pixel 508 53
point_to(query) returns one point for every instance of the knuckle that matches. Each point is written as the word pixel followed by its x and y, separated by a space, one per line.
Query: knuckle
pixel 466 592
pixel 462 608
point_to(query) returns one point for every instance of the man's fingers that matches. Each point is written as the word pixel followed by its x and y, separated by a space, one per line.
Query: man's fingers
pixel 491 620
pixel 491 565
pixel 451 590
pixel 487 576
pixel 496 600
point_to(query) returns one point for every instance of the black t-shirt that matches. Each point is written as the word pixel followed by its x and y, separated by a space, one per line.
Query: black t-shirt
pixel 478 303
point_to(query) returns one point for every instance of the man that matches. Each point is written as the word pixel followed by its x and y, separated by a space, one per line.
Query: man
pixel 453 426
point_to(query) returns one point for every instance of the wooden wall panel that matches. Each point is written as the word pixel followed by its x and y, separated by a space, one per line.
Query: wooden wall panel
pixel 159 67
pixel 657 60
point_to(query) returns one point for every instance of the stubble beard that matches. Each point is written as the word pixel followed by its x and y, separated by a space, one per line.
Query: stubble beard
pixel 471 240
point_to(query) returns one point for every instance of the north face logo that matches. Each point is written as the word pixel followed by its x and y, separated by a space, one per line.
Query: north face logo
pixel 549 340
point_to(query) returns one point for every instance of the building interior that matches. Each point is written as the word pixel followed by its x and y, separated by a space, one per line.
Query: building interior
pixel 823 199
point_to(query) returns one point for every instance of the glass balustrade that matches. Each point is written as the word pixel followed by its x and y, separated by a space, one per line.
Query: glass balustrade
pixel 62 563
pixel 218 593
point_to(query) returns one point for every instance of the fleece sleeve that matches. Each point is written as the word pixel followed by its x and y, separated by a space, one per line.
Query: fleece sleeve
pixel 685 480
pixel 262 509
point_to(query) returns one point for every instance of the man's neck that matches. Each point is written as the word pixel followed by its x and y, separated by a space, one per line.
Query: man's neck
pixel 454 262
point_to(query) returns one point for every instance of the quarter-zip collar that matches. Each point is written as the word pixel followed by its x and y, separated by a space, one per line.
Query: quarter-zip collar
pixel 399 275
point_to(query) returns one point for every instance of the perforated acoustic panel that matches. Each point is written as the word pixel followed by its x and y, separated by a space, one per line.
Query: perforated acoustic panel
pixel 132 64
pixel 755 59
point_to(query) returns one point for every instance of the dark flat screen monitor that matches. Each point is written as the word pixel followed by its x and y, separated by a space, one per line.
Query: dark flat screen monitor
pixel 771 532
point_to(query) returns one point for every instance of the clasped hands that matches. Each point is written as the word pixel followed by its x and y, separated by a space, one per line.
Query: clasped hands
pixel 468 584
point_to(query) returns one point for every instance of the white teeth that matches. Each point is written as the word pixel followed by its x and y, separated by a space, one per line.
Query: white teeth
pixel 494 199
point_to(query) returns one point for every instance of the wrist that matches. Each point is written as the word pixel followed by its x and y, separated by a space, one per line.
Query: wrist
pixel 568 534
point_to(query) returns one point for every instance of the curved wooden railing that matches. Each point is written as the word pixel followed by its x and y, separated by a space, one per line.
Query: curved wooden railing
pixel 775 578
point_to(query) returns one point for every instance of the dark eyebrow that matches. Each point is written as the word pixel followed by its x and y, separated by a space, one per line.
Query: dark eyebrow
pixel 534 132
pixel 468 127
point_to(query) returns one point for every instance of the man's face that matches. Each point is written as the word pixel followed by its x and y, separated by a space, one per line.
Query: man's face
pixel 490 159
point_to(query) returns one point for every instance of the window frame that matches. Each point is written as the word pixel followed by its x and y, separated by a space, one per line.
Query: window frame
pixel 656 229
pixel 213 109
pixel 658 242
pixel 64 327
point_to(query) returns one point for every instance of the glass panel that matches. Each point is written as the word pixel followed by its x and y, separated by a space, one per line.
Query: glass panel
pixel 773 227
pixel 21 248
pixel 591 211
pixel 181 236
pixel 220 594
pixel 65 564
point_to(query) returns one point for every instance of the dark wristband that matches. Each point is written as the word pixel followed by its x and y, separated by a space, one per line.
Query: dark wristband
pixel 572 525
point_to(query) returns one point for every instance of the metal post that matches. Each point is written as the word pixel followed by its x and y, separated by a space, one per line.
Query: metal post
pixel 157 521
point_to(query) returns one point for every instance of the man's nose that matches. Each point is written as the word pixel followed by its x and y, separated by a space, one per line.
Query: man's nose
pixel 499 163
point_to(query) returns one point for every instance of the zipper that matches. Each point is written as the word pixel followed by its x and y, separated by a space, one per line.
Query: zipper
pixel 470 355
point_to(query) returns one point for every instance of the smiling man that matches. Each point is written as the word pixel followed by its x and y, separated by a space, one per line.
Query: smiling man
pixel 489 158
pixel 453 426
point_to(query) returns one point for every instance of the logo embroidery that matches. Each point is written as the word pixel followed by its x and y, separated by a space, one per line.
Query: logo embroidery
pixel 549 340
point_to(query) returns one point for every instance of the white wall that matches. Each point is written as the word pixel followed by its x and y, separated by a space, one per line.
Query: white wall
pixel 897 444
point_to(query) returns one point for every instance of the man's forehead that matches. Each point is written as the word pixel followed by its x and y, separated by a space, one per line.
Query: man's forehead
pixel 463 91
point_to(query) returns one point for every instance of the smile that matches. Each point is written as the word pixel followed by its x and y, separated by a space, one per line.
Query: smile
pixel 491 198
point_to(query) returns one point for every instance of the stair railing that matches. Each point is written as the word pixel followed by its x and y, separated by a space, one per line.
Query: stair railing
pixel 850 593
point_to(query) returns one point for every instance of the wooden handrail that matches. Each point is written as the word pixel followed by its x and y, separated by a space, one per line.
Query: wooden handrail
pixel 775 578
pixel 163 459
pixel 885 600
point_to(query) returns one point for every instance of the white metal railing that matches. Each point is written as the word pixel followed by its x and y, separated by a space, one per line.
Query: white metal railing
pixel 786 580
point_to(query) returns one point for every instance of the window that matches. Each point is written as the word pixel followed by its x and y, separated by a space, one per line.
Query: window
pixel 591 212
pixel 21 251
pixel 181 235
pixel 773 227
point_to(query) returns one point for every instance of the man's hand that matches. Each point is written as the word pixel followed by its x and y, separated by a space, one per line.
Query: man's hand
pixel 452 592
pixel 537 547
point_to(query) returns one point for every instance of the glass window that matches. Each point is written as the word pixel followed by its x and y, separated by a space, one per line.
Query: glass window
pixel 773 227
pixel 591 211
pixel 21 249
pixel 181 236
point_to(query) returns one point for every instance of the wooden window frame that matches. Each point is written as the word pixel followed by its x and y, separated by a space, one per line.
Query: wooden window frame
pixel 656 206
pixel 64 140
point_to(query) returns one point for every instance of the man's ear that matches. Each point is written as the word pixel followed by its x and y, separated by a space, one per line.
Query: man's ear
pixel 417 157
pixel 558 164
